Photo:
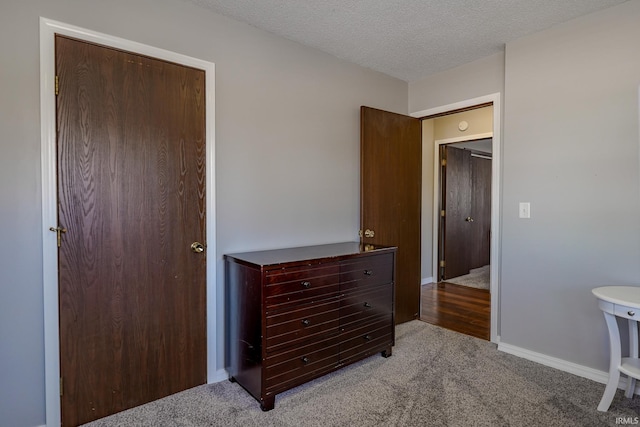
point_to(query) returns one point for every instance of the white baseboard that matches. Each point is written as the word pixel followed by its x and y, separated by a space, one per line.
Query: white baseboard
pixel 219 375
pixel 426 280
pixel 563 365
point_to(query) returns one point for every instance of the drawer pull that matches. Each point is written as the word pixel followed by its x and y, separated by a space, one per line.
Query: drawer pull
pixel 367 305
pixel 368 272
pixel 306 322
pixel 305 360
pixel 631 313
pixel 367 337
pixel 306 284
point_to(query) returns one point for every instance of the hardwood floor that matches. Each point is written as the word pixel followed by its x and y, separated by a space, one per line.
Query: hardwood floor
pixel 459 308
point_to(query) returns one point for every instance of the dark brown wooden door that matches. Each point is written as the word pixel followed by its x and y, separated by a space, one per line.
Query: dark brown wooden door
pixel 466 226
pixel 390 198
pixel 131 194
pixel 456 184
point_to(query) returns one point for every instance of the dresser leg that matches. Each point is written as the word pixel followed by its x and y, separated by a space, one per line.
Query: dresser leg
pixel 386 353
pixel 268 403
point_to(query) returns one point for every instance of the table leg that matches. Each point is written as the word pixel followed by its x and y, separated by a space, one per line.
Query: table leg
pixel 633 352
pixel 614 362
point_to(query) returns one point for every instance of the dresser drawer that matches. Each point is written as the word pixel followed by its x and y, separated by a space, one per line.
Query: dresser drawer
pixel 300 285
pixel 296 365
pixel 369 304
pixel 366 271
pixel 366 339
pixel 315 321
pixel 294 379
pixel 301 273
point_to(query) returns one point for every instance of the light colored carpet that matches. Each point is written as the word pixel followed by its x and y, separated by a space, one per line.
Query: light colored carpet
pixel 477 278
pixel 435 377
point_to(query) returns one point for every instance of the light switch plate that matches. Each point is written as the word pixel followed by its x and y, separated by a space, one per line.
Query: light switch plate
pixel 524 210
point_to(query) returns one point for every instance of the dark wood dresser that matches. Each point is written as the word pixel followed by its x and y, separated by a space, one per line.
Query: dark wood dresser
pixel 296 314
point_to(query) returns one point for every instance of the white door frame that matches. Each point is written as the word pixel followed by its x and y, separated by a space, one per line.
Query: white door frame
pixel 48 30
pixel 496 168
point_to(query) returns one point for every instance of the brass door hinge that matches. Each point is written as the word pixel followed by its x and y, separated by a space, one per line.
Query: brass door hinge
pixel 442 263
pixel 442 212
pixel 58 231
pixel 57 85
pixel 443 162
pixel 367 233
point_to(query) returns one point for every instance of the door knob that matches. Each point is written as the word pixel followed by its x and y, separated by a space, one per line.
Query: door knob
pixel 369 233
pixel 468 219
pixel 197 247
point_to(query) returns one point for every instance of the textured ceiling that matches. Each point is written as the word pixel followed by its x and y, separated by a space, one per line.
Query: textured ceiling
pixel 407 39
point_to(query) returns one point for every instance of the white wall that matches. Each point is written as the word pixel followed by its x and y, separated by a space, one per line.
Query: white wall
pixel 478 78
pixel 571 149
pixel 287 152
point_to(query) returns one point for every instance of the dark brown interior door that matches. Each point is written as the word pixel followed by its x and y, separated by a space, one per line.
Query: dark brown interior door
pixel 456 193
pixel 131 169
pixel 391 175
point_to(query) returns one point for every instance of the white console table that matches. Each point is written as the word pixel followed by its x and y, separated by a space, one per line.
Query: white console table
pixel 620 301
